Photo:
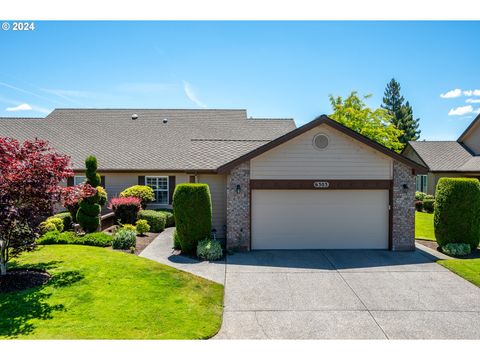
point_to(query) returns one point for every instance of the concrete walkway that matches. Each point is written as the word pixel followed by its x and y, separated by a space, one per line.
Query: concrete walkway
pixel 346 295
pixel 160 250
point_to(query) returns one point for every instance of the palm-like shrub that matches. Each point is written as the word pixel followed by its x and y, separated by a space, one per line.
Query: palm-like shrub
pixel 143 192
pixel 457 211
pixel 192 208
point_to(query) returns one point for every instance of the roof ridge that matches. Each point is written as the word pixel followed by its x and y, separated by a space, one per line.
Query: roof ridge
pixel 262 140
pixel 176 109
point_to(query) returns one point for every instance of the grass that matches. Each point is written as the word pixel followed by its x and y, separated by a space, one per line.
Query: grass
pixel 424 226
pixel 469 269
pixel 98 293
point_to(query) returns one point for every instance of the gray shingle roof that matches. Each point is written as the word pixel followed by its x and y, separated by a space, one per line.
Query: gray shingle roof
pixel 189 140
pixel 446 156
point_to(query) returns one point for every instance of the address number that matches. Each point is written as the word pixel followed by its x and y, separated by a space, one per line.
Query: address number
pixel 321 184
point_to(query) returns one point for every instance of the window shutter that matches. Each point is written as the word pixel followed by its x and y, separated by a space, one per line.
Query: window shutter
pixel 102 181
pixel 70 181
pixel 171 188
pixel 141 180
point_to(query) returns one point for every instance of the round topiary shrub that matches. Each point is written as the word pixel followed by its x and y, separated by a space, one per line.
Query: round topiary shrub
pixel 125 209
pixel 143 192
pixel 124 239
pixel 142 227
pixel 457 211
pixel 192 209
pixel 210 250
pixel 66 218
pixel 155 219
pixel 47 226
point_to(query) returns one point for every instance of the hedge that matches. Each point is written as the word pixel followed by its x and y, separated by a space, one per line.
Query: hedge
pixel 457 211
pixel 155 219
pixel 192 209
pixel 68 237
pixel 170 219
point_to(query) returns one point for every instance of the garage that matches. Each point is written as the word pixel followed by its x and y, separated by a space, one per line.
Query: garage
pixel 320 219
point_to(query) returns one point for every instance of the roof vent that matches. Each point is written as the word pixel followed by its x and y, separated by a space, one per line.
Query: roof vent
pixel 134 116
pixel 320 141
pixel 165 121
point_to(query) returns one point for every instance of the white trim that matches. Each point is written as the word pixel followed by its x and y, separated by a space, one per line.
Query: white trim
pixel 163 190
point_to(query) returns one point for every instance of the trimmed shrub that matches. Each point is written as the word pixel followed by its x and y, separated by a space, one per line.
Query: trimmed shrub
pixel 192 208
pixel 143 192
pixel 129 227
pixel 429 205
pixel 126 209
pixel 209 250
pixel 420 195
pixel 456 249
pixel 142 227
pixel 47 226
pixel 93 239
pixel 124 239
pixel 51 224
pixel 88 215
pixel 102 195
pixel 169 218
pixel 419 205
pixel 176 242
pixel 155 219
pixel 66 218
pixel 457 211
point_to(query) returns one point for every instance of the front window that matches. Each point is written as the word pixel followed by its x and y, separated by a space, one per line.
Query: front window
pixel 79 179
pixel 421 183
pixel 159 184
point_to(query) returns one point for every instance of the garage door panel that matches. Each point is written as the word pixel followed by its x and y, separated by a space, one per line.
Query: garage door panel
pixel 306 219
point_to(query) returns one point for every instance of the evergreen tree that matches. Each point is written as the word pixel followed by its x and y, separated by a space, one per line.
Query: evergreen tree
pixel 401 112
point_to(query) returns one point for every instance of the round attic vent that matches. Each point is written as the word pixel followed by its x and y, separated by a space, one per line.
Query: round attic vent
pixel 320 141
pixel 134 116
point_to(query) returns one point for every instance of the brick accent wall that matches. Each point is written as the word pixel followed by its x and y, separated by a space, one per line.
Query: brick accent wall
pixel 403 224
pixel 238 208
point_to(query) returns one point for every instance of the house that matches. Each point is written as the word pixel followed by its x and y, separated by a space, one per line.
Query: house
pixel 460 158
pixel 273 186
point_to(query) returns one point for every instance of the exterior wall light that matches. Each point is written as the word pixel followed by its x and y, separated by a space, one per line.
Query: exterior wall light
pixel 238 189
pixel 405 186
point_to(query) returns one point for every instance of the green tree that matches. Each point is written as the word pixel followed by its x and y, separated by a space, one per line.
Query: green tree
pixel 401 112
pixel 374 124
pixel 88 215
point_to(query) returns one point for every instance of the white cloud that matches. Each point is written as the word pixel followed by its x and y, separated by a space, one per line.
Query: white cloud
pixel 192 95
pixel 475 92
pixel 452 94
pixel 461 110
pixel 473 101
pixel 21 107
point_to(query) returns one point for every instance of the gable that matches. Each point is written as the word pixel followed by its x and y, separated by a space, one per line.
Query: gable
pixel 471 137
pixel 343 158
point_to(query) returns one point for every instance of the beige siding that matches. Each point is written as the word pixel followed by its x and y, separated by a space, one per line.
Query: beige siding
pixel 472 140
pixel 412 155
pixel 344 158
pixel 218 191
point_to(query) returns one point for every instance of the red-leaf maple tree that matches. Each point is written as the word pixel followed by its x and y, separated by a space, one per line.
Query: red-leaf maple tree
pixel 30 176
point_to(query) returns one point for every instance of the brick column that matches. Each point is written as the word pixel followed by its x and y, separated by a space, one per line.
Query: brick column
pixel 238 208
pixel 403 222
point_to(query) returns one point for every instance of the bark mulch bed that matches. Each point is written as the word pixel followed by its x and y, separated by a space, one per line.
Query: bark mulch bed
pixel 433 245
pixel 22 279
pixel 142 241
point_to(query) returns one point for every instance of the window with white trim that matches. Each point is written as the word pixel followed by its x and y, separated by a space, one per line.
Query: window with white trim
pixel 421 183
pixel 79 179
pixel 159 185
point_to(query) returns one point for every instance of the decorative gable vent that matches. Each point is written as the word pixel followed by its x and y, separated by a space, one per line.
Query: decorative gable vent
pixel 320 142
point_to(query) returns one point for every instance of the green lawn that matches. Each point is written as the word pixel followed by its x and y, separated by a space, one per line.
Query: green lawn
pixel 469 269
pixel 424 226
pixel 98 293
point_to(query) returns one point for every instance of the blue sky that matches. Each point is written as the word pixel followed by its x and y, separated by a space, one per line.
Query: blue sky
pixel 272 69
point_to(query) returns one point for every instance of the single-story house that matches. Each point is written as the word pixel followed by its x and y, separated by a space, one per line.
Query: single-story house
pixel 273 185
pixel 460 158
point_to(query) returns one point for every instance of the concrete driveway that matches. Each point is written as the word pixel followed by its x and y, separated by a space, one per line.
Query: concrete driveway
pixel 346 295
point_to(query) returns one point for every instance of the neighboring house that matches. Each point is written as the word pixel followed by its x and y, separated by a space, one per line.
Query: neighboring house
pixel 459 158
pixel 273 186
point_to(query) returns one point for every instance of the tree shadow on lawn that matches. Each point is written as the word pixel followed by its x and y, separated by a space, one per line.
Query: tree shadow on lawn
pixel 17 309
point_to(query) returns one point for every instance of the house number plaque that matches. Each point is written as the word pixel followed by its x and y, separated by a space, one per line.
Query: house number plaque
pixel 321 184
